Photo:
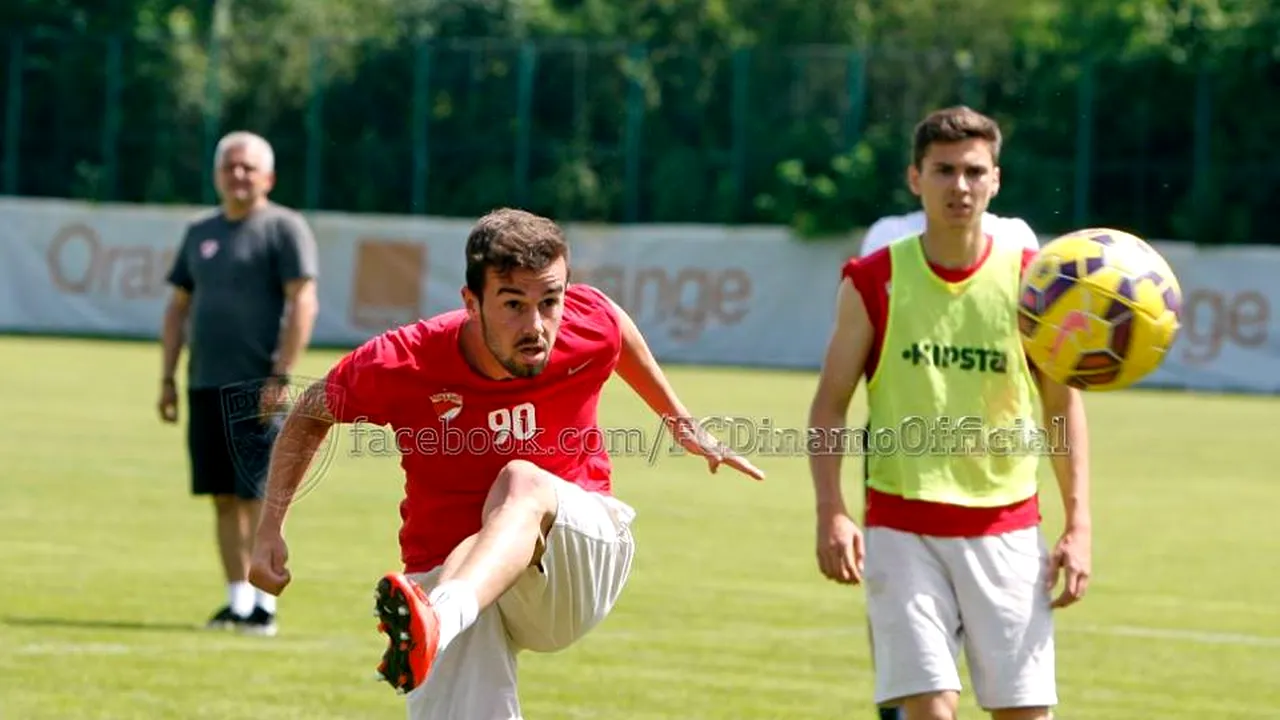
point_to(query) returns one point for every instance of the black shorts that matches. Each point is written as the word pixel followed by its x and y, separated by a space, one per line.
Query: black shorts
pixel 229 442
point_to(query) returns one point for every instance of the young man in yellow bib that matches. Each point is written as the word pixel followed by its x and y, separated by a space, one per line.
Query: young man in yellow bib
pixel 952 557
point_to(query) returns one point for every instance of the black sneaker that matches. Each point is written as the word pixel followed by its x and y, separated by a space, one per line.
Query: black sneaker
pixel 259 622
pixel 224 619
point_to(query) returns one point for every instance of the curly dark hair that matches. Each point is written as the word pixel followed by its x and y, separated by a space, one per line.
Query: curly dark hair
pixel 507 240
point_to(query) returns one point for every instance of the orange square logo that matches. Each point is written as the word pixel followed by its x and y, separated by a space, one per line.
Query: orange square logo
pixel 387 288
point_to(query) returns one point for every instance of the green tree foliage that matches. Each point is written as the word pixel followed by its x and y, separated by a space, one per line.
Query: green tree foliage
pixel 1153 115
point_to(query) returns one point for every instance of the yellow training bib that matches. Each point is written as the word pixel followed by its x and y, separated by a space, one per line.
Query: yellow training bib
pixel 953 404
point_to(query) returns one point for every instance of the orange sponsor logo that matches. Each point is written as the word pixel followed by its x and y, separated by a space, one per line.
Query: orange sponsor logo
pixel 685 301
pixel 387 287
pixel 1216 320
pixel 80 263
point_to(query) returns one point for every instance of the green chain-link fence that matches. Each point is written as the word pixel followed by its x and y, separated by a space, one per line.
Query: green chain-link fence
pixel 623 133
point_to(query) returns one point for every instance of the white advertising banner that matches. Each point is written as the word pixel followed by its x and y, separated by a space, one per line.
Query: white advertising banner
pixel 702 294
pixel 1230 336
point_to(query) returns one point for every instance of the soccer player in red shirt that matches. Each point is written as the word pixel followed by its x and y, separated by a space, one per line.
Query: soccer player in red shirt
pixel 511 536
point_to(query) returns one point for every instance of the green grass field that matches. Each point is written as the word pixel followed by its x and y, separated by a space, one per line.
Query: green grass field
pixel 107 567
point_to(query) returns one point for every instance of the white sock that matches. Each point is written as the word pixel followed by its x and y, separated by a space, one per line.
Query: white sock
pixel 266 601
pixel 240 597
pixel 457 607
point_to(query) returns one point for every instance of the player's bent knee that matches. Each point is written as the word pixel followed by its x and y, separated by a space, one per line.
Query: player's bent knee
pixel 929 706
pixel 1027 713
pixel 520 480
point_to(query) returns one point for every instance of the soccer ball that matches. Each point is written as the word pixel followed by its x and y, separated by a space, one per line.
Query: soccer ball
pixel 1098 309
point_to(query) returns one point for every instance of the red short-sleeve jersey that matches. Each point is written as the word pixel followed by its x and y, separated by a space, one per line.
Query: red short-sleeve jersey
pixel 455 428
pixel 871 276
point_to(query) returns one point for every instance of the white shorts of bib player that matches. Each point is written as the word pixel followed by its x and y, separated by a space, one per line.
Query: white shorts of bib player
pixel 930 597
pixel 586 562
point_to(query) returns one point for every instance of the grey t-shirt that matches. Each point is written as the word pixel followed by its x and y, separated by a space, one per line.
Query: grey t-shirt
pixel 236 273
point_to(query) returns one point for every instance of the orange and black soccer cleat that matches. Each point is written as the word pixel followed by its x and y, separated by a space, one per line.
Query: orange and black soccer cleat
pixel 413 632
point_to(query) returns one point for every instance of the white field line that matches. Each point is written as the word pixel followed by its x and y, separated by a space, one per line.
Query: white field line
pixel 738 633
pixel 745 634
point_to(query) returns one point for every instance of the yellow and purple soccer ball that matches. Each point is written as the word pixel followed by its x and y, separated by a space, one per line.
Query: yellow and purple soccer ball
pixel 1098 309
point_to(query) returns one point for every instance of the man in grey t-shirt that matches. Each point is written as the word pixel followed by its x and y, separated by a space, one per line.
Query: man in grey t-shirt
pixel 244 284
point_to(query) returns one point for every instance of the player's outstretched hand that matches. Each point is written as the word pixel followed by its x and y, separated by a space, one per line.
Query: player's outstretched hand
pixel 841 548
pixel 695 439
pixel 735 461
pixel 268 571
pixel 1071 562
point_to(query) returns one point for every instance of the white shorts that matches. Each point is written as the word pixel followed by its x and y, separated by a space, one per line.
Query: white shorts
pixel 928 596
pixel 585 564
